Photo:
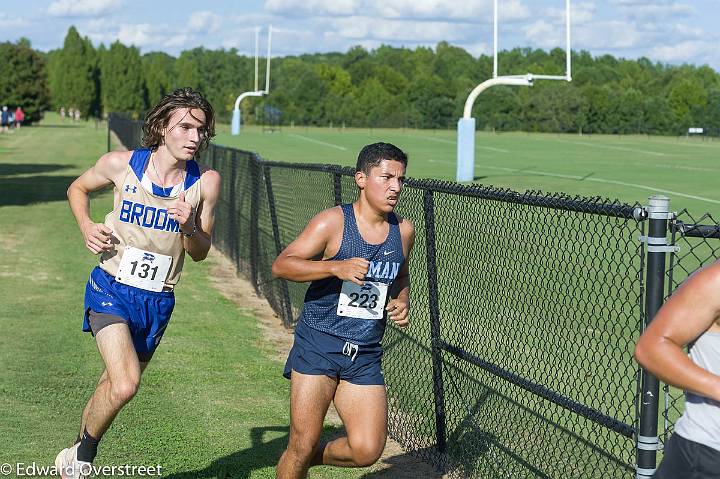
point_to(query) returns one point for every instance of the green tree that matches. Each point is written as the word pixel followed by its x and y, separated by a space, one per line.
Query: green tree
pixel 431 101
pixel 54 73
pixel 122 80
pixel 377 107
pixel 158 72
pixel 24 81
pixel 686 95
pixel 75 84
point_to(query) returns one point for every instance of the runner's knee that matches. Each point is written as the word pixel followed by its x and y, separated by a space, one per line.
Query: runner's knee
pixel 366 453
pixel 122 391
pixel 302 446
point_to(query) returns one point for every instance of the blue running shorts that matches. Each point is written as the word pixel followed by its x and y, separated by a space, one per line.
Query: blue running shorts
pixel 146 313
pixel 318 353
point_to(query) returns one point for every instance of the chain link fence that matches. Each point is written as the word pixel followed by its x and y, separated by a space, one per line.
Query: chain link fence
pixel 525 312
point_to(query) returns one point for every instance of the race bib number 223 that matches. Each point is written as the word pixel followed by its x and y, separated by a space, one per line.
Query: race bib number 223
pixel 364 302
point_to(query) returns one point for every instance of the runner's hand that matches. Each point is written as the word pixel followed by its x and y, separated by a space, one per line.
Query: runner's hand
pixel 353 269
pixel 398 310
pixel 181 211
pixel 98 237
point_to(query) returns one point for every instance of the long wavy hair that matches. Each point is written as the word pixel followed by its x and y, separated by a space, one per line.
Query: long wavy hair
pixel 157 119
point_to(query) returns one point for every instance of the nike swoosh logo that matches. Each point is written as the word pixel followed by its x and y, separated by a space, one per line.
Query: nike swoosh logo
pixel 388 252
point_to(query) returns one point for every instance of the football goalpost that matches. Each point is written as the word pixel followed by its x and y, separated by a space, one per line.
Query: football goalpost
pixel 466 124
pixel 235 125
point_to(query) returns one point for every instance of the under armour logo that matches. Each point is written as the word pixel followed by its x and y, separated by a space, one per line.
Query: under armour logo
pixel 128 187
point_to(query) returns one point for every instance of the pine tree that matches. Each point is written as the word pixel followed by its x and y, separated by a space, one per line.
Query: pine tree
pixel 76 83
pixel 158 71
pixel 123 85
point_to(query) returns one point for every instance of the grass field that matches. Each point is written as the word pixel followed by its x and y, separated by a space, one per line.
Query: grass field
pixel 212 403
pixel 629 168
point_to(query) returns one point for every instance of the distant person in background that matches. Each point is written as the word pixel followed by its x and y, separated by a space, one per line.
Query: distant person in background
pixel 77 114
pixel 4 118
pixel 690 317
pixel 19 117
pixel 62 113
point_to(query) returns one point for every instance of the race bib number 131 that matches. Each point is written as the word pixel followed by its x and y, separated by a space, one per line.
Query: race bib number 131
pixel 143 269
pixel 364 302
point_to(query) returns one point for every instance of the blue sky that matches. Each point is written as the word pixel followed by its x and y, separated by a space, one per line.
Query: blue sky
pixel 662 30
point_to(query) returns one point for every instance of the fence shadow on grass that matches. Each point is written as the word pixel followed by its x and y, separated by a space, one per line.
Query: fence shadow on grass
pixel 405 466
pixel 266 453
pixel 240 464
pixel 58 126
pixel 34 189
pixel 10 169
pixel 259 455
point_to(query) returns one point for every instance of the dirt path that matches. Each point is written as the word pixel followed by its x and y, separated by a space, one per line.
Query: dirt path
pixel 395 463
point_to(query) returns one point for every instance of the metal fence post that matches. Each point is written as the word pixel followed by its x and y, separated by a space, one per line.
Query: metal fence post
pixel 232 236
pixel 287 305
pixel 337 188
pixel 656 240
pixel 254 220
pixel 438 390
pixel 109 130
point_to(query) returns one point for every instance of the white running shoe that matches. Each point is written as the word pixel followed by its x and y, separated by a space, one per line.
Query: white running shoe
pixel 68 467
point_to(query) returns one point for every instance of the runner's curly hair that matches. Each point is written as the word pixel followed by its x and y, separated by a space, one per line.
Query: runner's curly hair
pixel 157 119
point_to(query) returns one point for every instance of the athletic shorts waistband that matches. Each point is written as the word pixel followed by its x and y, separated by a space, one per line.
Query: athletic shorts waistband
pixel 111 279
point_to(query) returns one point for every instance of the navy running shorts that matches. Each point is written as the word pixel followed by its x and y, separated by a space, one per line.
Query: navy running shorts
pixel 147 313
pixel 686 459
pixel 318 353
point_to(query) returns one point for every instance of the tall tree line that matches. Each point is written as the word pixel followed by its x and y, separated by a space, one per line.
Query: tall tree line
pixel 397 87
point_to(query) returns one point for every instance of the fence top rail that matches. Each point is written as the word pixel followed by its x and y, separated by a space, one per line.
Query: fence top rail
pixel 251 154
pixel 555 201
pixel 696 231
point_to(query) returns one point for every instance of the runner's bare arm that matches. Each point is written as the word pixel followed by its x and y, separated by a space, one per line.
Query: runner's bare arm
pixel 198 245
pixel 398 307
pixel 300 261
pixel 108 170
pixel 691 310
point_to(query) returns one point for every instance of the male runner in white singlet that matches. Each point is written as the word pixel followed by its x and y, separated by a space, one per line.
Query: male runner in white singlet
pixel 164 207
pixel 690 317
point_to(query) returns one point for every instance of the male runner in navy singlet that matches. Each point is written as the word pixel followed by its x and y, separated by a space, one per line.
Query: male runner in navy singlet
pixel 356 257
pixel 164 207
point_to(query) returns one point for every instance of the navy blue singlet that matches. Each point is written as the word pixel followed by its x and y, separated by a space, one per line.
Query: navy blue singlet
pixel 321 300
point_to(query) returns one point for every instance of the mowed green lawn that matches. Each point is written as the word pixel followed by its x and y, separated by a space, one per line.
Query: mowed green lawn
pixel 628 168
pixel 212 403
